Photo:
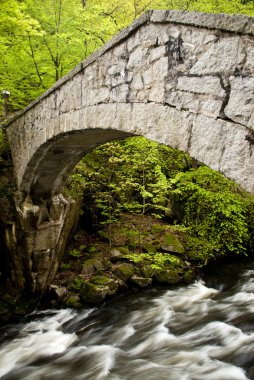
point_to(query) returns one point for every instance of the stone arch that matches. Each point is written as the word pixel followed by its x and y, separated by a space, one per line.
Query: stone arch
pixel 179 78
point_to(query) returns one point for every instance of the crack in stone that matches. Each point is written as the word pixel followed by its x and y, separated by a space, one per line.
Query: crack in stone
pixel 190 136
pixel 227 90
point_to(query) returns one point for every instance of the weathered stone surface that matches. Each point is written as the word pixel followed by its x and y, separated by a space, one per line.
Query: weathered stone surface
pixel 223 56
pixel 240 107
pixel 216 144
pixel 209 85
pixel 179 78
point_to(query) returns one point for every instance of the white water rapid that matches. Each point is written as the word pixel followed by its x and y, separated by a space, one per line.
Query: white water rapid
pixel 197 332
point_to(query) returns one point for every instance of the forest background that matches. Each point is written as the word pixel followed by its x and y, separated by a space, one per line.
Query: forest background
pixel 41 40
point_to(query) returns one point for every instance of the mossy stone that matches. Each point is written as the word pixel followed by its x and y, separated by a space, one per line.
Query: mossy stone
pixel 157 229
pixel 92 293
pixel 124 271
pixel 105 281
pixel 118 253
pixel 147 270
pixel 73 300
pixel 189 276
pixel 148 247
pixel 90 266
pixel 172 243
pixel 97 289
pixel 168 276
pixel 141 282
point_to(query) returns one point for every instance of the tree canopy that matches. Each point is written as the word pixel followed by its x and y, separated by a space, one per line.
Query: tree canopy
pixel 40 41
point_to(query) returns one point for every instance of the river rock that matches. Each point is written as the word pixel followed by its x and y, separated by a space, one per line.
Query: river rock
pixel 142 282
pixel 97 289
pixel 124 271
pixel 147 271
pixel 72 300
pixel 167 276
pixel 57 291
pixel 90 266
pixel 172 244
pixel 118 253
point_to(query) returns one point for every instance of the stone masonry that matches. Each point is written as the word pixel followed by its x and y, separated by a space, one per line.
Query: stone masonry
pixel 182 79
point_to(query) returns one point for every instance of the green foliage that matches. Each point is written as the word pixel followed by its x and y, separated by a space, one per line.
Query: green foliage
pixel 214 209
pixel 40 41
pixel 130 175
pixel 158 260
pixel 65 266
pixel 76 284
pixel 75 253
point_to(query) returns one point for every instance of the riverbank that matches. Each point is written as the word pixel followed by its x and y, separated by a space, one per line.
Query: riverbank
pixel 134 253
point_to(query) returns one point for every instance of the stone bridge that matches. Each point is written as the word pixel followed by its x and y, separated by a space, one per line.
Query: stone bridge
pixel 182 79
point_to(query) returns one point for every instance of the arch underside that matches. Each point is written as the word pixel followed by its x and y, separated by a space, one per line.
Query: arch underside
pixel 220 144
pixel 59 157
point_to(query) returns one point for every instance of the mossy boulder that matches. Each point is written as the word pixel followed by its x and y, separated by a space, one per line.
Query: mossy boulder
pixel 172 243
pixel 189 276
pixel 97 289
pixel 90 266
pixel 141 282
pixel 118 253
pixel 167 276
pixel 147 270
pixel 124 271
pixel 72 300
pixel 149 247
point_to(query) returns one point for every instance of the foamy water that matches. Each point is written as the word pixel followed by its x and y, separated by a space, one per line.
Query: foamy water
pixel 195 332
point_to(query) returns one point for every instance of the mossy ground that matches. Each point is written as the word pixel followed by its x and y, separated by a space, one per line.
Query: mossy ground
pixel 143 251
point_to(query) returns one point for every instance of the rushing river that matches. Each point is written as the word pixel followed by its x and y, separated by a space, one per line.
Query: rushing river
pixel 203 331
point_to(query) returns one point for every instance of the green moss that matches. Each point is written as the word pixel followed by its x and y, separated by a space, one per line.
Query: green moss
pixel 73 301
pixel 76 284
pixel 101 280
pixel 168 276
pixel 189 276
pixel 65 266
pixel 97 289
pixel 173 243
pixel 124 271
pixel 147 270
pixel 148 247
pixel 157 229
pixel 123 250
